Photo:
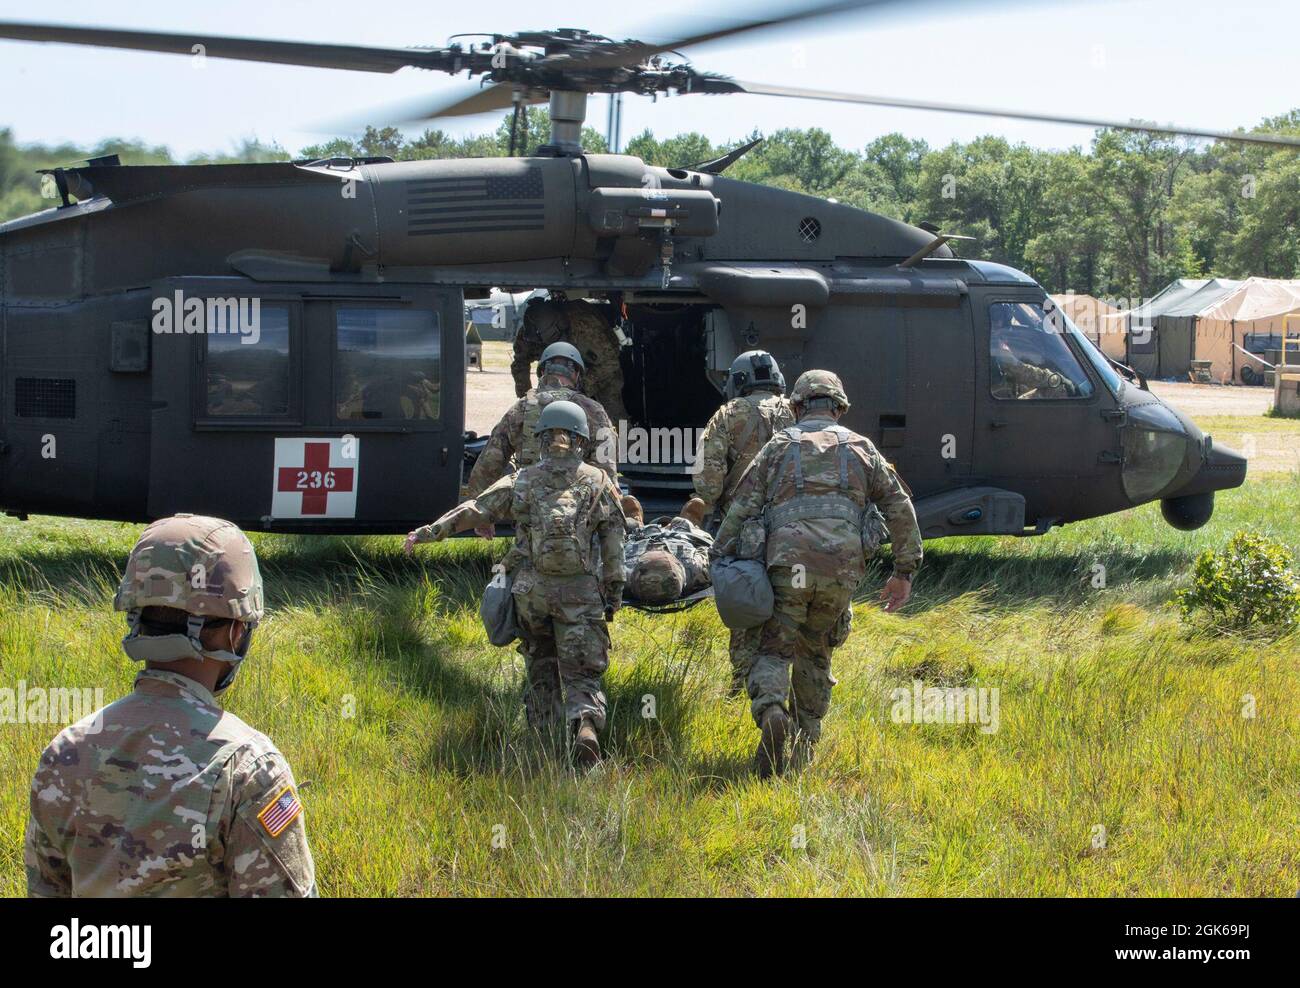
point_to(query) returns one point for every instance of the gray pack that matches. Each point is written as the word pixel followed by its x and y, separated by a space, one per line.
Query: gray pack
pixel 497 610
pixel 741 591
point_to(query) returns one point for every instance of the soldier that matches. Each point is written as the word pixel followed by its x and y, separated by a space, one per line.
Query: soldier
pixel 559 372
pixel 665 562
pixel 163 793
pixel 737 431
pixel 811 485
pixel 564 591
pixel 587 326
pixel 1017 378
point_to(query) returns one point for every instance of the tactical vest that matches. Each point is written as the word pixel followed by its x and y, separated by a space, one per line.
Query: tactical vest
pixel 530 444
pixel 839 504
pixel 561 541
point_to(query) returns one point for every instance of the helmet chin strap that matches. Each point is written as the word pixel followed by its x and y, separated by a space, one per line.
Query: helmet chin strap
pixel 187 645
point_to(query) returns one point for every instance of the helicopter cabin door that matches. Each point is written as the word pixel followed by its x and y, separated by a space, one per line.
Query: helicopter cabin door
pixel 1042 426
pixel 307 408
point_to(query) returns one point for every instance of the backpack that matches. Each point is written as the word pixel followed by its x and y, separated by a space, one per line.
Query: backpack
pixel 560 536
pixel 839 504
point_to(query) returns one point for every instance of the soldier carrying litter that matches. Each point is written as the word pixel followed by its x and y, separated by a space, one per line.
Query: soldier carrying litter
pixel 737 431
pixel 811 488
pixel 564 591
pixel 163 793
pixel 587 326
pixel 559 373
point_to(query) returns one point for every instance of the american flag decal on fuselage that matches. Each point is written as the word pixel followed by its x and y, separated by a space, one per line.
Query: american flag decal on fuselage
pixel 487 204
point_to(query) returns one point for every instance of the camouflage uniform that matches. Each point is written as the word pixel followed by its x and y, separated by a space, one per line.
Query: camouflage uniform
pixel 514 437
pixel 587 326
pixel 1016 378
pixel 732 438
pixel 843 471
pixel 163 793
pixel 665 562
pixel 561 507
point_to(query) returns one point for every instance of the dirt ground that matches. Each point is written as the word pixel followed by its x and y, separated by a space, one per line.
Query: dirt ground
pixel 490 392
pixel 1233 415
pixel 1199 400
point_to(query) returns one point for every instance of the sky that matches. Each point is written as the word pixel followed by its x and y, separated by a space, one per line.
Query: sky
pixel 1194 62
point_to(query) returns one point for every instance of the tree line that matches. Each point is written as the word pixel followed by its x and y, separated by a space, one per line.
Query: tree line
pixel 1121 218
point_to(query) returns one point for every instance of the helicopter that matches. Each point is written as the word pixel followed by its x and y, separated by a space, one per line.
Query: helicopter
pixel 282 344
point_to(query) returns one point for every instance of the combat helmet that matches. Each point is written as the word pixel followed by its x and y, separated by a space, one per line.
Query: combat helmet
pixel 658 577
pixel 203 566
pixel 753 369
pixel 566 415
pixel 563 350
pixel 816 384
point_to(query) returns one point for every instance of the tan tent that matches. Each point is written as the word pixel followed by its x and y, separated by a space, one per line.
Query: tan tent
pixel 1257 308
pixel 1089 314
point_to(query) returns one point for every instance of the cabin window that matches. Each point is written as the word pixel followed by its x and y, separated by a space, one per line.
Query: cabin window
pixel 247 366
pixel 387 365
pixel 1028 356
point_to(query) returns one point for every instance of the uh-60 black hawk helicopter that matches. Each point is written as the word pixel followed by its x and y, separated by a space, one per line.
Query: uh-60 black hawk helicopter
pixel 120 398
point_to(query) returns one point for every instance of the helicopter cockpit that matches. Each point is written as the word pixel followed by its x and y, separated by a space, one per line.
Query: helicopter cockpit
pixel 1028 357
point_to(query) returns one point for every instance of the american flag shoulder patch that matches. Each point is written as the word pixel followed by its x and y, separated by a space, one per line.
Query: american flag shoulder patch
pixel 281 811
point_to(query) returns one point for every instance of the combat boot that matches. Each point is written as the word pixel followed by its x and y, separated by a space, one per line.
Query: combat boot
pixel 586 746
pixel 693 511
pixel 770 757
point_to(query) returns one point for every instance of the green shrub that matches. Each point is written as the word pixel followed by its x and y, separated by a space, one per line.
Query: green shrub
pixel 1248 583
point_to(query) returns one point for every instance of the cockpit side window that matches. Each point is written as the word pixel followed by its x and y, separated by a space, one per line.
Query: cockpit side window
pixel 1029 358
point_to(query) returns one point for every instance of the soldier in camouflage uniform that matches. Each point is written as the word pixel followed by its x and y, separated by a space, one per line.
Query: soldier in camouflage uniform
pixel 665 562
pixel 732 438
pixel 564 590
pixel 559 372
pixel 588 327
pixel 163 793
pixel 811 486
pixel 1013 377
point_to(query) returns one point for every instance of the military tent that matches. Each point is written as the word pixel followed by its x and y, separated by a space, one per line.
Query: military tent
pixel 1089 314
pixel 1161 333
pixel 1254 317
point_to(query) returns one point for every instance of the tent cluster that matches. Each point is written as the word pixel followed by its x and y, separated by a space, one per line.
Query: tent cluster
pixel 1196 319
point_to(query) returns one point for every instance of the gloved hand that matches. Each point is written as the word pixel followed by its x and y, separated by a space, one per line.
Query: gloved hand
pixel 488 531
pixel 436 532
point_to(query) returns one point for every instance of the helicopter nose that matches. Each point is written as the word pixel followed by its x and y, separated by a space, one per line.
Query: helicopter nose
pixel 1221 469
pixel 1191 505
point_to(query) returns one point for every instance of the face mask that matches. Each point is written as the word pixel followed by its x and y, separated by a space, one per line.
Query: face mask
pixel 559 442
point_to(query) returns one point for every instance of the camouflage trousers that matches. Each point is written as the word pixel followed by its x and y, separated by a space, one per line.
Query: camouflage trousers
pixel 744 646
pixel 795 646
pixel 565 646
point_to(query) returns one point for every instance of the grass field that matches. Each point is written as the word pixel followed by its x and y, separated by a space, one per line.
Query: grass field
pixel 1124 763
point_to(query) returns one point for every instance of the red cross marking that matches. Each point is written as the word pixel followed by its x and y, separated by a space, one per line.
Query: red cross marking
pixel 315 478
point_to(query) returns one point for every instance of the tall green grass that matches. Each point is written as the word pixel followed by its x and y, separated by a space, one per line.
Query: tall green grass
pixel 1123 764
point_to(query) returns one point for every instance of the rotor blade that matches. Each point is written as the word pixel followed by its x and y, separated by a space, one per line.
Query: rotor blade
pixel 355 57
pixel 787 13
pixel 463 101
pixel 762 89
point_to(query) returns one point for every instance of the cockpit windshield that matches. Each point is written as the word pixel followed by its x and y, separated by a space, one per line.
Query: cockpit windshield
pixel 1056 316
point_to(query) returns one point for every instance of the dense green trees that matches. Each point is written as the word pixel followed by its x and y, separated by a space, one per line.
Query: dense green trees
pixel 1121 218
